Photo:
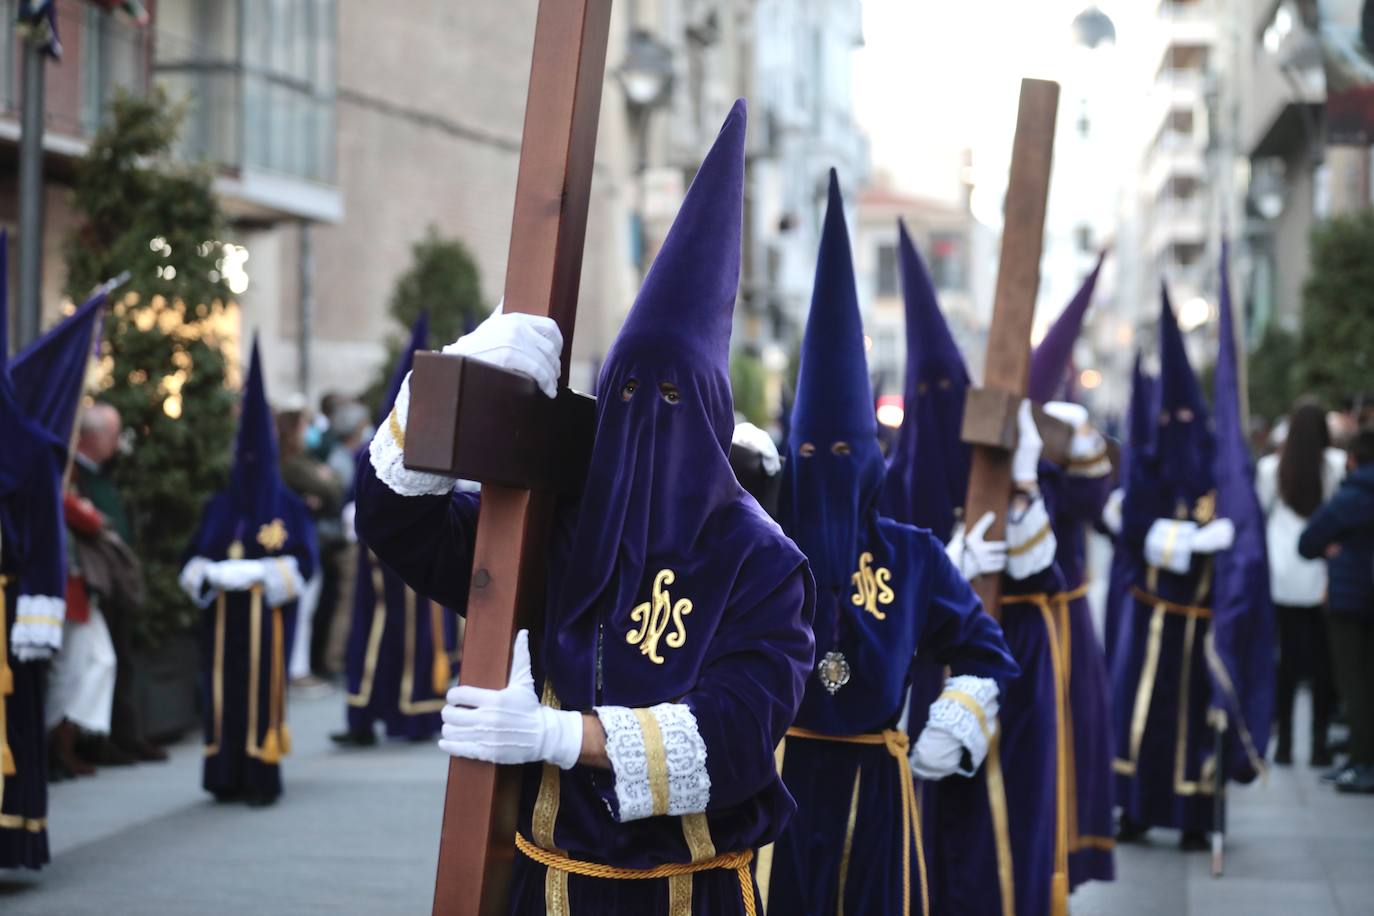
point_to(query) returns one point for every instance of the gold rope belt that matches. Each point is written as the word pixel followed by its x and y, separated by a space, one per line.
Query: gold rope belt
pixel 897 744
pixel 1170 607
pixel 1048 604
pixel 7 767
pixel 738 862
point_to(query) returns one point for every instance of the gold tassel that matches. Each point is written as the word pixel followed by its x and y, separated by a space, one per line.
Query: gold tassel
pixel 7 766
pixel 442 671
pixel 271 749
pixel 285 739
pixel 6 678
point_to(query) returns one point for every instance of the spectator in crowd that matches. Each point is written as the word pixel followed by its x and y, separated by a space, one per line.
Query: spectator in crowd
pixel 1293 483
pixel 349 428
pixel 1343 532
pixel 322 494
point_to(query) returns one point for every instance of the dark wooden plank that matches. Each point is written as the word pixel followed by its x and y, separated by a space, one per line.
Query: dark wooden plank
pixel 1018 279
pixel 543 270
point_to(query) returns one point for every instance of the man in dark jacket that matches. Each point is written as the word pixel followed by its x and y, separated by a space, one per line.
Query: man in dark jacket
pixel 1343 531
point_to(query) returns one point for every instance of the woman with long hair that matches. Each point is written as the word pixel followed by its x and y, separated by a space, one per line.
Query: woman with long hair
pixel 1293 483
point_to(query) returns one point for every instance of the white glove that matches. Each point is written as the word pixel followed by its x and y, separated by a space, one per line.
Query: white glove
pixel 972 555
pixel 1214 536
pixel 531 345
pixel 193 579
pixel 234 575
pixel 1075 415
pixel 1025 461
pixel 1111 512
pixel 953 730
pixel 510 725
pixel 750 437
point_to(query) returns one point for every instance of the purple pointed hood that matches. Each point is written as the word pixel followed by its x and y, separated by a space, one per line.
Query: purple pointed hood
pixel 665 414
pixel 50 374
pixel 834 467
pixel 927 477
pixel 1052 360
pixel 21 436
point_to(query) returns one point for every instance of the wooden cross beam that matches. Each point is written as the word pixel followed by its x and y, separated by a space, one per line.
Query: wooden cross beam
pixel 990 413
pixel 472 421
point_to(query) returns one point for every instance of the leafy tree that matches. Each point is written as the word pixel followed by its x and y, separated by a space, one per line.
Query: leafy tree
pixel 164 367
pixel 1272 369
pixel 442 279
pixel 747 381
pixel 1336 347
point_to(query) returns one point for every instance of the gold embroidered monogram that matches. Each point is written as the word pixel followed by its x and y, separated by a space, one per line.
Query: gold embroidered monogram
pixel 871 586
pixel 272 536
pixel 655 615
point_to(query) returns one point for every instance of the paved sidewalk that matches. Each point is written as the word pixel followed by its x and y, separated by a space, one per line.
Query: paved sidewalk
pixel 357 832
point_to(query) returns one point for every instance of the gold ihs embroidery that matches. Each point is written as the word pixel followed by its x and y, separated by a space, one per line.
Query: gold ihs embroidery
pixel 871 586
pixel 653 617
pixel 272 536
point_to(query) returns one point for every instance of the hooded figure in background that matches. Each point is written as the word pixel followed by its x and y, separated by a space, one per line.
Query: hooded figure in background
pixel 884 591
pixel 249 562
pixel 1080 492
pixel 677 632
pixel 1140 423
pixel 33 569
pixel 1160 679
pixel 398 663
pixel 995 843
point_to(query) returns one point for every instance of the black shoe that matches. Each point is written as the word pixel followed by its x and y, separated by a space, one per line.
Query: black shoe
pixel 351 738
pixel 1194 841
pixel 1283 755
pixel 1357 780
pixel 1333 775
pixel 1128 831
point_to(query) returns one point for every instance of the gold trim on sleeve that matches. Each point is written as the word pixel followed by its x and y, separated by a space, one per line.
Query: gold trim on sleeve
pixel 1029 544
pixel 393 423
pixel 656 759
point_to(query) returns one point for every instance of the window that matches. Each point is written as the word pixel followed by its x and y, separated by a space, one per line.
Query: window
pixel 888 284
pixel 947 268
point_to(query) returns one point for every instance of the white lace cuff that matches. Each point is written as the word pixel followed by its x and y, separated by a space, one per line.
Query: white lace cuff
pixel 1169 544
pixel 658 758
pixel 1088 454
pixel 192 581
pixel 1030 541
pixel 387 453
pixel 37 632
pixel 281 580
pixel 967 710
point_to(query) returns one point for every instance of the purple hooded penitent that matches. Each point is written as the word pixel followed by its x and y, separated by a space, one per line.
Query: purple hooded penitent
pixel 671 596
pixel 927 477
pixel 396 663
pixel 33 564
pixel 1161 683
pixel 1242 664
pixel 883 589
pixel 50 373
pixel 1052 360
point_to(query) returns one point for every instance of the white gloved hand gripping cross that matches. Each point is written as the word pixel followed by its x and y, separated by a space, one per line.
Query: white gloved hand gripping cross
pixel 531 345
pixel 510 725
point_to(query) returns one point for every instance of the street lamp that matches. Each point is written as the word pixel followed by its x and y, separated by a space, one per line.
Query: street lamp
pixel 1093 28
pixel 646 77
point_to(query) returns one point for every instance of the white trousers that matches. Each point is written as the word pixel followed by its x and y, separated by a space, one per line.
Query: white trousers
pixel 81 680
pixel 305 616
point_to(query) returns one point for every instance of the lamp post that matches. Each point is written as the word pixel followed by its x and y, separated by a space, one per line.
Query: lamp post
pixel 646 77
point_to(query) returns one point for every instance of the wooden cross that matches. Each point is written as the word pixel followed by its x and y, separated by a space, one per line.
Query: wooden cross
pixel 470 420
pixel 990 411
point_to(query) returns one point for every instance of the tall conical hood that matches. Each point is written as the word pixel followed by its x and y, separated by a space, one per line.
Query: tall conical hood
pixel 419 340
pixel 687 302
pixel 50 374
pixel 1050 361
pixel 1183 439
pixel 835 467
pixel 1140 422
pixel 22 438
pixel 255 479
pixel 1242 615
pixel 927 477
pixel 4 306
pixel 660 466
